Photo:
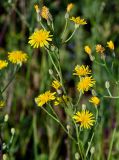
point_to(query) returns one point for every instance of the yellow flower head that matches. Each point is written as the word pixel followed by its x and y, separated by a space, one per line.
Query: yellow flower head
pixel 2 103
pixel 84 118
pixel 87 50
pixel 81 70
pixel 100 48
pixel 85 84
pixel 95 100
pixel 59 100
pixel 69 7
pixel 78 20
pixel 110 45
pixel 56 84
pixel 40 38
pixel 44 98
pixel 3 64
pixel 45 13
pixel 17 57
pixel 36 8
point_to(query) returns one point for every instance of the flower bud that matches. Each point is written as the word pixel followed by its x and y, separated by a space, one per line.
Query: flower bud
pixel 68 127
pixel 12 131
pixel 6 118
pixel 4 157
pixel 92 150
pixel 107 84
pixel 93 92
pixel 83 106
pixel 50 71
pixel 77 156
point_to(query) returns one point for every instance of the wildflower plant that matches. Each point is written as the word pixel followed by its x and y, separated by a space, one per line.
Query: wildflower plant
pixel 81 118
pixel 81 109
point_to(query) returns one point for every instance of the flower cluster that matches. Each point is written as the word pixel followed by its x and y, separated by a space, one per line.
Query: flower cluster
pixel 99 48
pixel 86 82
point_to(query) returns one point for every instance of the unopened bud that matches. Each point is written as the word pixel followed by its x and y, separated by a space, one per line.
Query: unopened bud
pixel 77 156
pixel 92 58
pixel 83 106
pixel 92 150
pixel 4 146
pixel 59 92
pixel 66 15
pixel 4 157
pixel 53 48
pixel 93 92
pixel 12 131
pixel 6 118
pixel 107 84
pixel 68 127
pixel 50 71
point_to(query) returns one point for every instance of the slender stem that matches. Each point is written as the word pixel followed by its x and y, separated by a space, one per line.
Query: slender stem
pixel 66 22
pixel 52 26
pixel 111 144
pixel 110 73
pixel 96 114
pixel 89 144
pixel 54 65
pixel 54 118
pixel 80 94
pixel 113 97
pixel 71 35
pixel 109 92
pixel 42 25
pixel 10 81
pixel 53 111
pixel 35 135
pixel 78 140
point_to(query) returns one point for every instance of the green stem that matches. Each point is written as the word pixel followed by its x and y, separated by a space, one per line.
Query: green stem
pixel 71 35
pixel 110 73
pixel 78 99
pixel 10 81
pixel 35 135
pixel 109 92
pixel 54 118
pixel 113 97
pixel 111 144
pixel 54 65
pixel 66 22
pixel 78 140
pixel 89 144
pixel 42 25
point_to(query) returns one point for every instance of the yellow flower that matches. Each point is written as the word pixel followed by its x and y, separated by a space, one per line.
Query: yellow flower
pixel 2 103
pixel 59 100
pixel 85 84
pixel 85 118
pixel 3 64
pixel 36 8
pixel 100 48
pixel 56 84
pixel 17 57
pixel 81 70
pixel 44 98
pixel 95 100
pixel 110 45
pixel 45 13
pixel 40 38
pixel 87 50
pixel 69 7
pixel 78 20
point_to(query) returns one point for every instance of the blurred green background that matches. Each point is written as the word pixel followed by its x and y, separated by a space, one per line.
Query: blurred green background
pixel 35 132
